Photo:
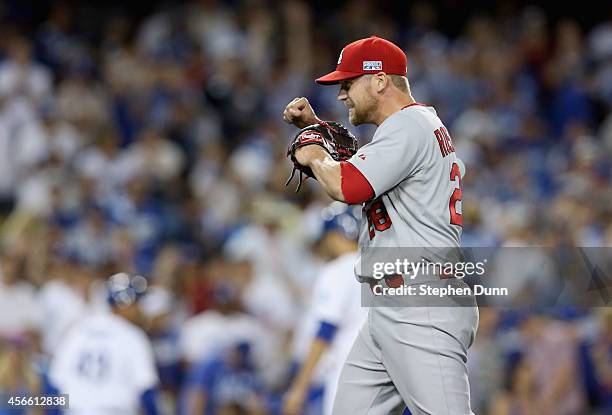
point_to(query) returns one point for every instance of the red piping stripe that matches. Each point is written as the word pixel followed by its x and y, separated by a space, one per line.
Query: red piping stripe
pixel 414 103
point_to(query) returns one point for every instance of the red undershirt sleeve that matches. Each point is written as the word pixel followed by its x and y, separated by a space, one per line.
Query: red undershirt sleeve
pixel 355 187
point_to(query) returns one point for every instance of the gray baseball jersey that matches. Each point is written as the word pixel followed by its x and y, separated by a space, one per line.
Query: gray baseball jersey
pixel 410 356
pixel 416 177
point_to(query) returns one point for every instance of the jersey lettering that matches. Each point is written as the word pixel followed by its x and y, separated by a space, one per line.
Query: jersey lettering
pixel 444 141
pixel 378 218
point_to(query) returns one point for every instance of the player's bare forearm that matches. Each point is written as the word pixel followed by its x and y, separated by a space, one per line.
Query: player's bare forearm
pixel 317 348
pixel 326 169
pixel 296 396
pixel 327 172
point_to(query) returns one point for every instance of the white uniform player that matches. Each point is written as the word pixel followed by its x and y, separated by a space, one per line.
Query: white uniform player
pixel 105 364
pixel 409 181
pixel 335 314
pixel 336 300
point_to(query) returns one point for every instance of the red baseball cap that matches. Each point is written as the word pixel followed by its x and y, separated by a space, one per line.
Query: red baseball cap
pixel 369 55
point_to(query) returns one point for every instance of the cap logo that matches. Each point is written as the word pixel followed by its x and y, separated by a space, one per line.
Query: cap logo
pixel 372 65
pixel 340 57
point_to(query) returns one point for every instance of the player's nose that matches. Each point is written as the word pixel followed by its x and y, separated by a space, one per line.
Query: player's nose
pixel 342 94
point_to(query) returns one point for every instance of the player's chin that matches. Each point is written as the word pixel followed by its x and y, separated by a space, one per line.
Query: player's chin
pixel 354 119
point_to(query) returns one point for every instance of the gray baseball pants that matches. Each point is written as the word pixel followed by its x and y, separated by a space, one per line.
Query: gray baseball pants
pixel 409 356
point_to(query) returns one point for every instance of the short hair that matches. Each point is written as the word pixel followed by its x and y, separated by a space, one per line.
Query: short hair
pixel 400 82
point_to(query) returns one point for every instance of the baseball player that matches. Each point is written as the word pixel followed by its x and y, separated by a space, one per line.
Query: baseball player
pixel 408 179
pixel 335 309
pixel 105 364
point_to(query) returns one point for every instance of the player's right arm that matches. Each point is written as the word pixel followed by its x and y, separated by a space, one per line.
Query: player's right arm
pixel 340 180
pixel 298 392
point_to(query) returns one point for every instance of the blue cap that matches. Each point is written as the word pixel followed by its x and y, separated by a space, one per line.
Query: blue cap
pixel 341 218
pixel 124 289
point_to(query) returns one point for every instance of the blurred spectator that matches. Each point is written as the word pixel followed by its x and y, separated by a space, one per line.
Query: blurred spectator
pixel 155 157
pixel 90 239
pixel 24 84
pixel 18 376
pixel 486 361
pixel 520 395
pixel 56 41
pixel 551 361
pixel 165 312
pixel 227 384
pixel 62 301
pixel 601 355
pixel 212 330
pixel 83 102
pixel 19 312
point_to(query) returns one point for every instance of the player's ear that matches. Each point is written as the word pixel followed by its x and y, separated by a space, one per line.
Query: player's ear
pixel 381 81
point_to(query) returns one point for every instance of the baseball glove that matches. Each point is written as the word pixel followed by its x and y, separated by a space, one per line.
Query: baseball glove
pixel 339 142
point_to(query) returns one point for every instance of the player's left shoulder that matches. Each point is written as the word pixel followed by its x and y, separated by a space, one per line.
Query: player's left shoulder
pixel 414 121
pixel 422 114
pixel 126 330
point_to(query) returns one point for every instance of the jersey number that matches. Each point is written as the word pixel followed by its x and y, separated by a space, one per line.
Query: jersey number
pixel 378 218
pixel 93 365
pixel 455 217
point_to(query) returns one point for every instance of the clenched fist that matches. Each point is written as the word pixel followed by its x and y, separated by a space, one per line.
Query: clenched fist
pixel 299 112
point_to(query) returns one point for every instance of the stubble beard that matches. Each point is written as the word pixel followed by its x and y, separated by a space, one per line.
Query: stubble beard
pixel 362 114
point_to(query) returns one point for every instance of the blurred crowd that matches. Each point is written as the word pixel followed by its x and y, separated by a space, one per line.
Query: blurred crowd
pixel 156 146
